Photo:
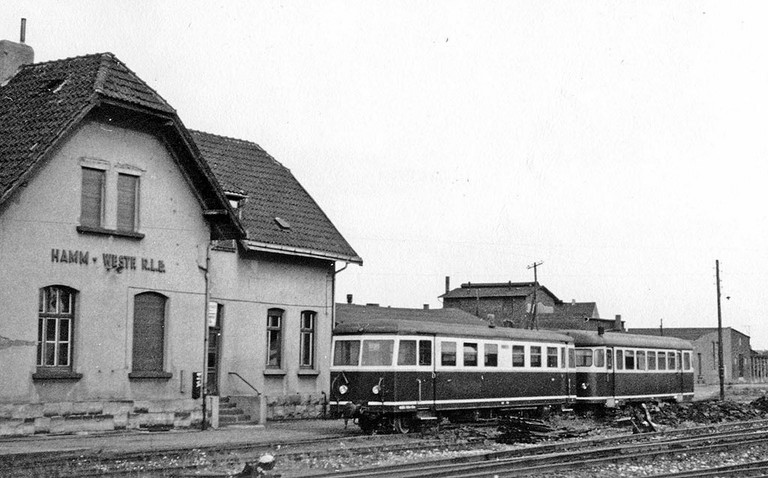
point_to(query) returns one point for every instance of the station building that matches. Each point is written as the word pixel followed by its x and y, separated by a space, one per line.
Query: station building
pixel 146 269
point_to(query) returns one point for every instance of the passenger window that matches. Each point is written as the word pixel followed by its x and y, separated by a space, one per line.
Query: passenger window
pixel 346 352
pixel 562 356
pixel 518 356
pixel 599 358
pixel 571 358
pixel 679 361
pixel 425 352
pixel 662 360
pixel 470 355
pixel 651 360
pixel 609 359
pixel 535 356
pixel 687 360
pixel 619 360
pixel 448 354
pixel 378 352
pixel 671 364
pixel 641 360
pixel 491 355
pixel 629 359
pixel 406 354
pixel 551 357
pixel 583 357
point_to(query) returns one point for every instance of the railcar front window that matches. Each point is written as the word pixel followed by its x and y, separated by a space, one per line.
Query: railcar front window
pixel 518 356
pixel 406 354
pixel 535 356
pixel 687 360
pixel 651 360
pixel 629 359
pixel 491 355
pixel 599 358
pixel 425 352
pixel 347 352
pixel 619 359
pixel 671 363
pixel 641 359
pixel 662 361
pixel 448 354
pixel 551 357
pixel 609 359
pixel 378 352
pixel 584 357
pixel 571 358
pixel 470 355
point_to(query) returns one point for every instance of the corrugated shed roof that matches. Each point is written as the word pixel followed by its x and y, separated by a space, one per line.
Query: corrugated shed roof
pixel 272 192
pixel 686 333
pixel 371 313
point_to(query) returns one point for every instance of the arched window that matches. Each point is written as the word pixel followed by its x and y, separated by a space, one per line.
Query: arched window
pixel 307 345
pixel 274 338
pixel 56 316
pixel 148 332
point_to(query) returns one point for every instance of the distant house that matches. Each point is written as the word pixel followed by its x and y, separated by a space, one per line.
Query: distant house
pixel 509 304
pixel 737 352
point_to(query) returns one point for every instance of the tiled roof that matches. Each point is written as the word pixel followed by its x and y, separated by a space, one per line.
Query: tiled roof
pixel 473 290
pixel 43 100
pixel 578 310
pixel 372 313
pixel 243 167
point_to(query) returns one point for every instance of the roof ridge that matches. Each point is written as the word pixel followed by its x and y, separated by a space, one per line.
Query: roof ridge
pixel 60 60
pixel 117 60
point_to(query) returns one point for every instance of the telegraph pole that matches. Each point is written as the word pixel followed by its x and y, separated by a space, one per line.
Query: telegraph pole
pixel 533 266
pixel 720 368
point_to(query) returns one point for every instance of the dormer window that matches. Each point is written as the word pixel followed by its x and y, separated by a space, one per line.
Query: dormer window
pixel 283 224
pixel 236 202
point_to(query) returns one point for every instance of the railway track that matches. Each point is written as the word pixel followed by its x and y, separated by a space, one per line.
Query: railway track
pixel 564 458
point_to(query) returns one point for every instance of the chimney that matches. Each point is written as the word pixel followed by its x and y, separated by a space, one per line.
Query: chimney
pixel 426 306
pixel 349 298
pixel 600 330
pixel 447 284
pixel 617 323
pixel 14 55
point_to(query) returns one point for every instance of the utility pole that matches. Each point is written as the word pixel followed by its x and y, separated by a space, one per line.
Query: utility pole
pixel 533 266
pixel 720 369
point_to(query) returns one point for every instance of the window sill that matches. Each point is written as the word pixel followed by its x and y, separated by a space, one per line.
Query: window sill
pixel 109 232
pixel 308 373
pixel 150 375
pixel 274 372
pixel 43 374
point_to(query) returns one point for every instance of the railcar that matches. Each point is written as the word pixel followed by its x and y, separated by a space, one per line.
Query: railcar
pixel 614 368
pixel 398 374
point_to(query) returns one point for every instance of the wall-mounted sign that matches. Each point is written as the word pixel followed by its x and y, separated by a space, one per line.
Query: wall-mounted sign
pixel 111 262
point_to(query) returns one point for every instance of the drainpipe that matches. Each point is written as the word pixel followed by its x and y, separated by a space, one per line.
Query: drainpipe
pixel 333 295
pixel 203 385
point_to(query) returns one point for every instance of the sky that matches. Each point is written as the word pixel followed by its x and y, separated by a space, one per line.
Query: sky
pixel 621 144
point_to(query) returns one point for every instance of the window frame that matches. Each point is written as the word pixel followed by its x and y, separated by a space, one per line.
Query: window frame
pixel 138 349
pixel 307 337
pixel 272 331
pixel 135 206
pixel 86 220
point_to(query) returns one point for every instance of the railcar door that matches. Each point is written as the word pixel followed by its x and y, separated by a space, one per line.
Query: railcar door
pixel 610 377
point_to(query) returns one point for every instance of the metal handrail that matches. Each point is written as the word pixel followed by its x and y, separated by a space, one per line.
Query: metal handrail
pixel 246 382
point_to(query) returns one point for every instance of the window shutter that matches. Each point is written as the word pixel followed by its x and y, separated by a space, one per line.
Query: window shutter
pixel 126 202
pixel 92 195
pixel 148 332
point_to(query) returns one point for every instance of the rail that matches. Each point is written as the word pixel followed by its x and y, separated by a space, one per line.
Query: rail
pixel 245 381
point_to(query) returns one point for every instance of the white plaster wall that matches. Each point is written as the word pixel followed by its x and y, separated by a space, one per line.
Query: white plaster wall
pixel 249 285
pixel 44 216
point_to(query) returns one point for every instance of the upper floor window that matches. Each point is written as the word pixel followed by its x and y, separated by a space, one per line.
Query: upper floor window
pixel 148 332
pixel 92 197
pixel 274 338
pixel 307 345
pixel 127 201
pixel 56 316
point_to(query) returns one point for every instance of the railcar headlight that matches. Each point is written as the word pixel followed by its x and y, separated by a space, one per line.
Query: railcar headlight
pixel 583 386
pixel 376 389
pixel 343 389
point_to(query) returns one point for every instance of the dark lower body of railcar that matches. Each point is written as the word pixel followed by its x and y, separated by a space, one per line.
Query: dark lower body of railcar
pixel 616 388
pixel 406 399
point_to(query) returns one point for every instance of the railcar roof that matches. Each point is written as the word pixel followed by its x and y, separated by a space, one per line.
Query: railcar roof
pixel 417 327
pixel 589 337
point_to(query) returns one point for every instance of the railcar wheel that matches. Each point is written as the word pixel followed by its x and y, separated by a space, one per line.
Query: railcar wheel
pixel 366 424
pixel 403 424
